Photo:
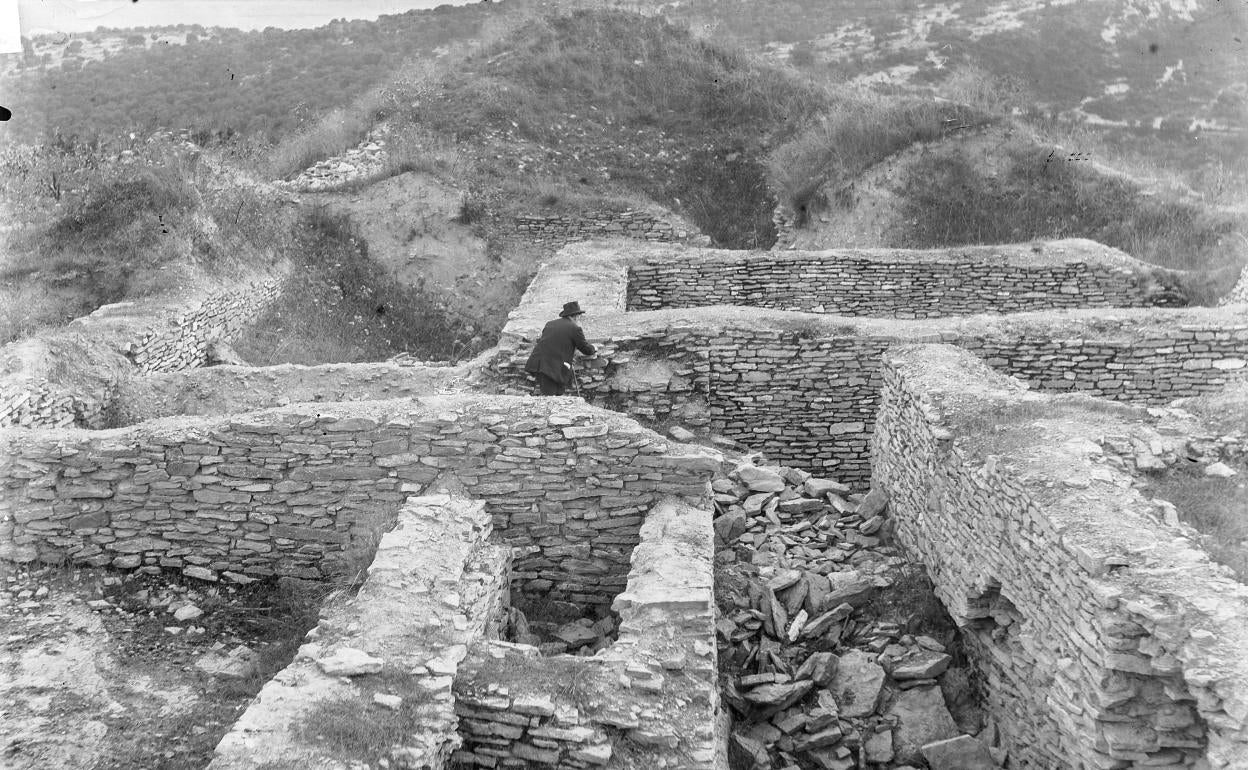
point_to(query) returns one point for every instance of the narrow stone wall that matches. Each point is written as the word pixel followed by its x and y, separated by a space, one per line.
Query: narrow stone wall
pixel 222 390
pixel 306 491
pixel 896 283
pixel 1106 640
pixel 518 709
pixel 567 228
pixel 70 377
pixel 390 652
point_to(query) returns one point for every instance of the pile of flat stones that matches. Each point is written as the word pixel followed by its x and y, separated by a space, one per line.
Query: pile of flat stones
pixel 369 157
pixel 810 678
pixel 583 636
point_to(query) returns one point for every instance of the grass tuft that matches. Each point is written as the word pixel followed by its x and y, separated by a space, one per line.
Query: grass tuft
pixel 1215 507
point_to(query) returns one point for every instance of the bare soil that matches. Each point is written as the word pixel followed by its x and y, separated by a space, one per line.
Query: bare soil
pixel 92 677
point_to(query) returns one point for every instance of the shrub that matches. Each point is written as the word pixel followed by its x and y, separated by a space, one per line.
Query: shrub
pixel 948 201
pixel 859 132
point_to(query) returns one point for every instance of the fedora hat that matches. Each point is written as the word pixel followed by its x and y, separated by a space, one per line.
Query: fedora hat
pixel 571 309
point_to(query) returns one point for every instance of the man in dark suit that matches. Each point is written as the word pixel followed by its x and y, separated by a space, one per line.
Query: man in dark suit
pixel 551 361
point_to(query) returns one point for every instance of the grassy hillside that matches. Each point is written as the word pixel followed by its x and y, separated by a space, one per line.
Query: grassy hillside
pixel 598 106
pixel 591 108
pixel 229 84
pixel 105 229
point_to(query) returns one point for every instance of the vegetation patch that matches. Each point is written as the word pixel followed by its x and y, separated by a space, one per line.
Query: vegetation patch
pixel 947 200
pixel 341 306
pixel 1214 506
pixel 101 226
pixel 357 729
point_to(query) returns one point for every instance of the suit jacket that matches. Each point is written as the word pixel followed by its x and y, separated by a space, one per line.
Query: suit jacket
pixel 552 355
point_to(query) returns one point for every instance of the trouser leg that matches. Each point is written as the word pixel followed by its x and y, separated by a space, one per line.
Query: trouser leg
pixel 548 386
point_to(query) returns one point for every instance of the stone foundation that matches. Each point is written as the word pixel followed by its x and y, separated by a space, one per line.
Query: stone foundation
pixel 804 387
pixel 559 229
pixel 100 351
pixel 435 586
pixel 305 491
pixel 652 695
pixel 899 283
pixel 1106 639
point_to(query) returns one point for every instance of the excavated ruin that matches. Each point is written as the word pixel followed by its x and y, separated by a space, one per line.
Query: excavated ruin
pixel 974 417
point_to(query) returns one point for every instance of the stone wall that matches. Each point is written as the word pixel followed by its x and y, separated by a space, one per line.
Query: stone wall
pixel 567 228
pixel 804 387
pixel 221 390
pixel 391 651
pixel 69 377
pixel 305 491
pixel 1106 639
pixel 898 283
pixel 651 696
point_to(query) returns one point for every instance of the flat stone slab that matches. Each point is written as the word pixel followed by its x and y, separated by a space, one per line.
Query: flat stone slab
pixel 961 753
pixel 922 718
pixel 857 684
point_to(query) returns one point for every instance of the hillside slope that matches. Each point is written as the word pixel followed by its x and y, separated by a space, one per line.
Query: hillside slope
pixel 1006 184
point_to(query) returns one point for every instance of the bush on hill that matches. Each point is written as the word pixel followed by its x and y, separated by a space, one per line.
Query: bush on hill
pixel 122 227
pixel 947 200
pixel 859 131
pixel 614 104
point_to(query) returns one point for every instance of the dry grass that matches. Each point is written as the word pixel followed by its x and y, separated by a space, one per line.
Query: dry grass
pixel 341 306
pixel 358 729
pixel 949 200
pixel 341 129
pixel 1217 508
pixel 859 131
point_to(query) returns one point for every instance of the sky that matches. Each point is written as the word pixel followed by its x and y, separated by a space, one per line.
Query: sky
pixel 42 16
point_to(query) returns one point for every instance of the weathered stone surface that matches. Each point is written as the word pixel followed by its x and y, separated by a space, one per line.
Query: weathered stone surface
pixel 746 752
pixel 774 697
pixel 875 503
pixel 759 479
pixel 848 587
pixel 920 664
pixel 348 661
pixel 922 718
pixel 959 753
pixel 878 746
pixel 820 668
pixel 857 684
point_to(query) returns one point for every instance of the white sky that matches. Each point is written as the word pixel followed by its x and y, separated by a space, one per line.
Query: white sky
pixel 43 16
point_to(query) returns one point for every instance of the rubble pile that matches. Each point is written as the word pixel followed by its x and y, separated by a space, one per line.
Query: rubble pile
pixel 582 636
pixel 815 670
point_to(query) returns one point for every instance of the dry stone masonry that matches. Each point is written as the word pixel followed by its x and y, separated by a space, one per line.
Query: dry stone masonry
pixel 306 492
pixel 906 284
pixel 1107 640
pixel 115 342
pixel 655 686
pixel 435 586
pixel 804 387
pixel 560 229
